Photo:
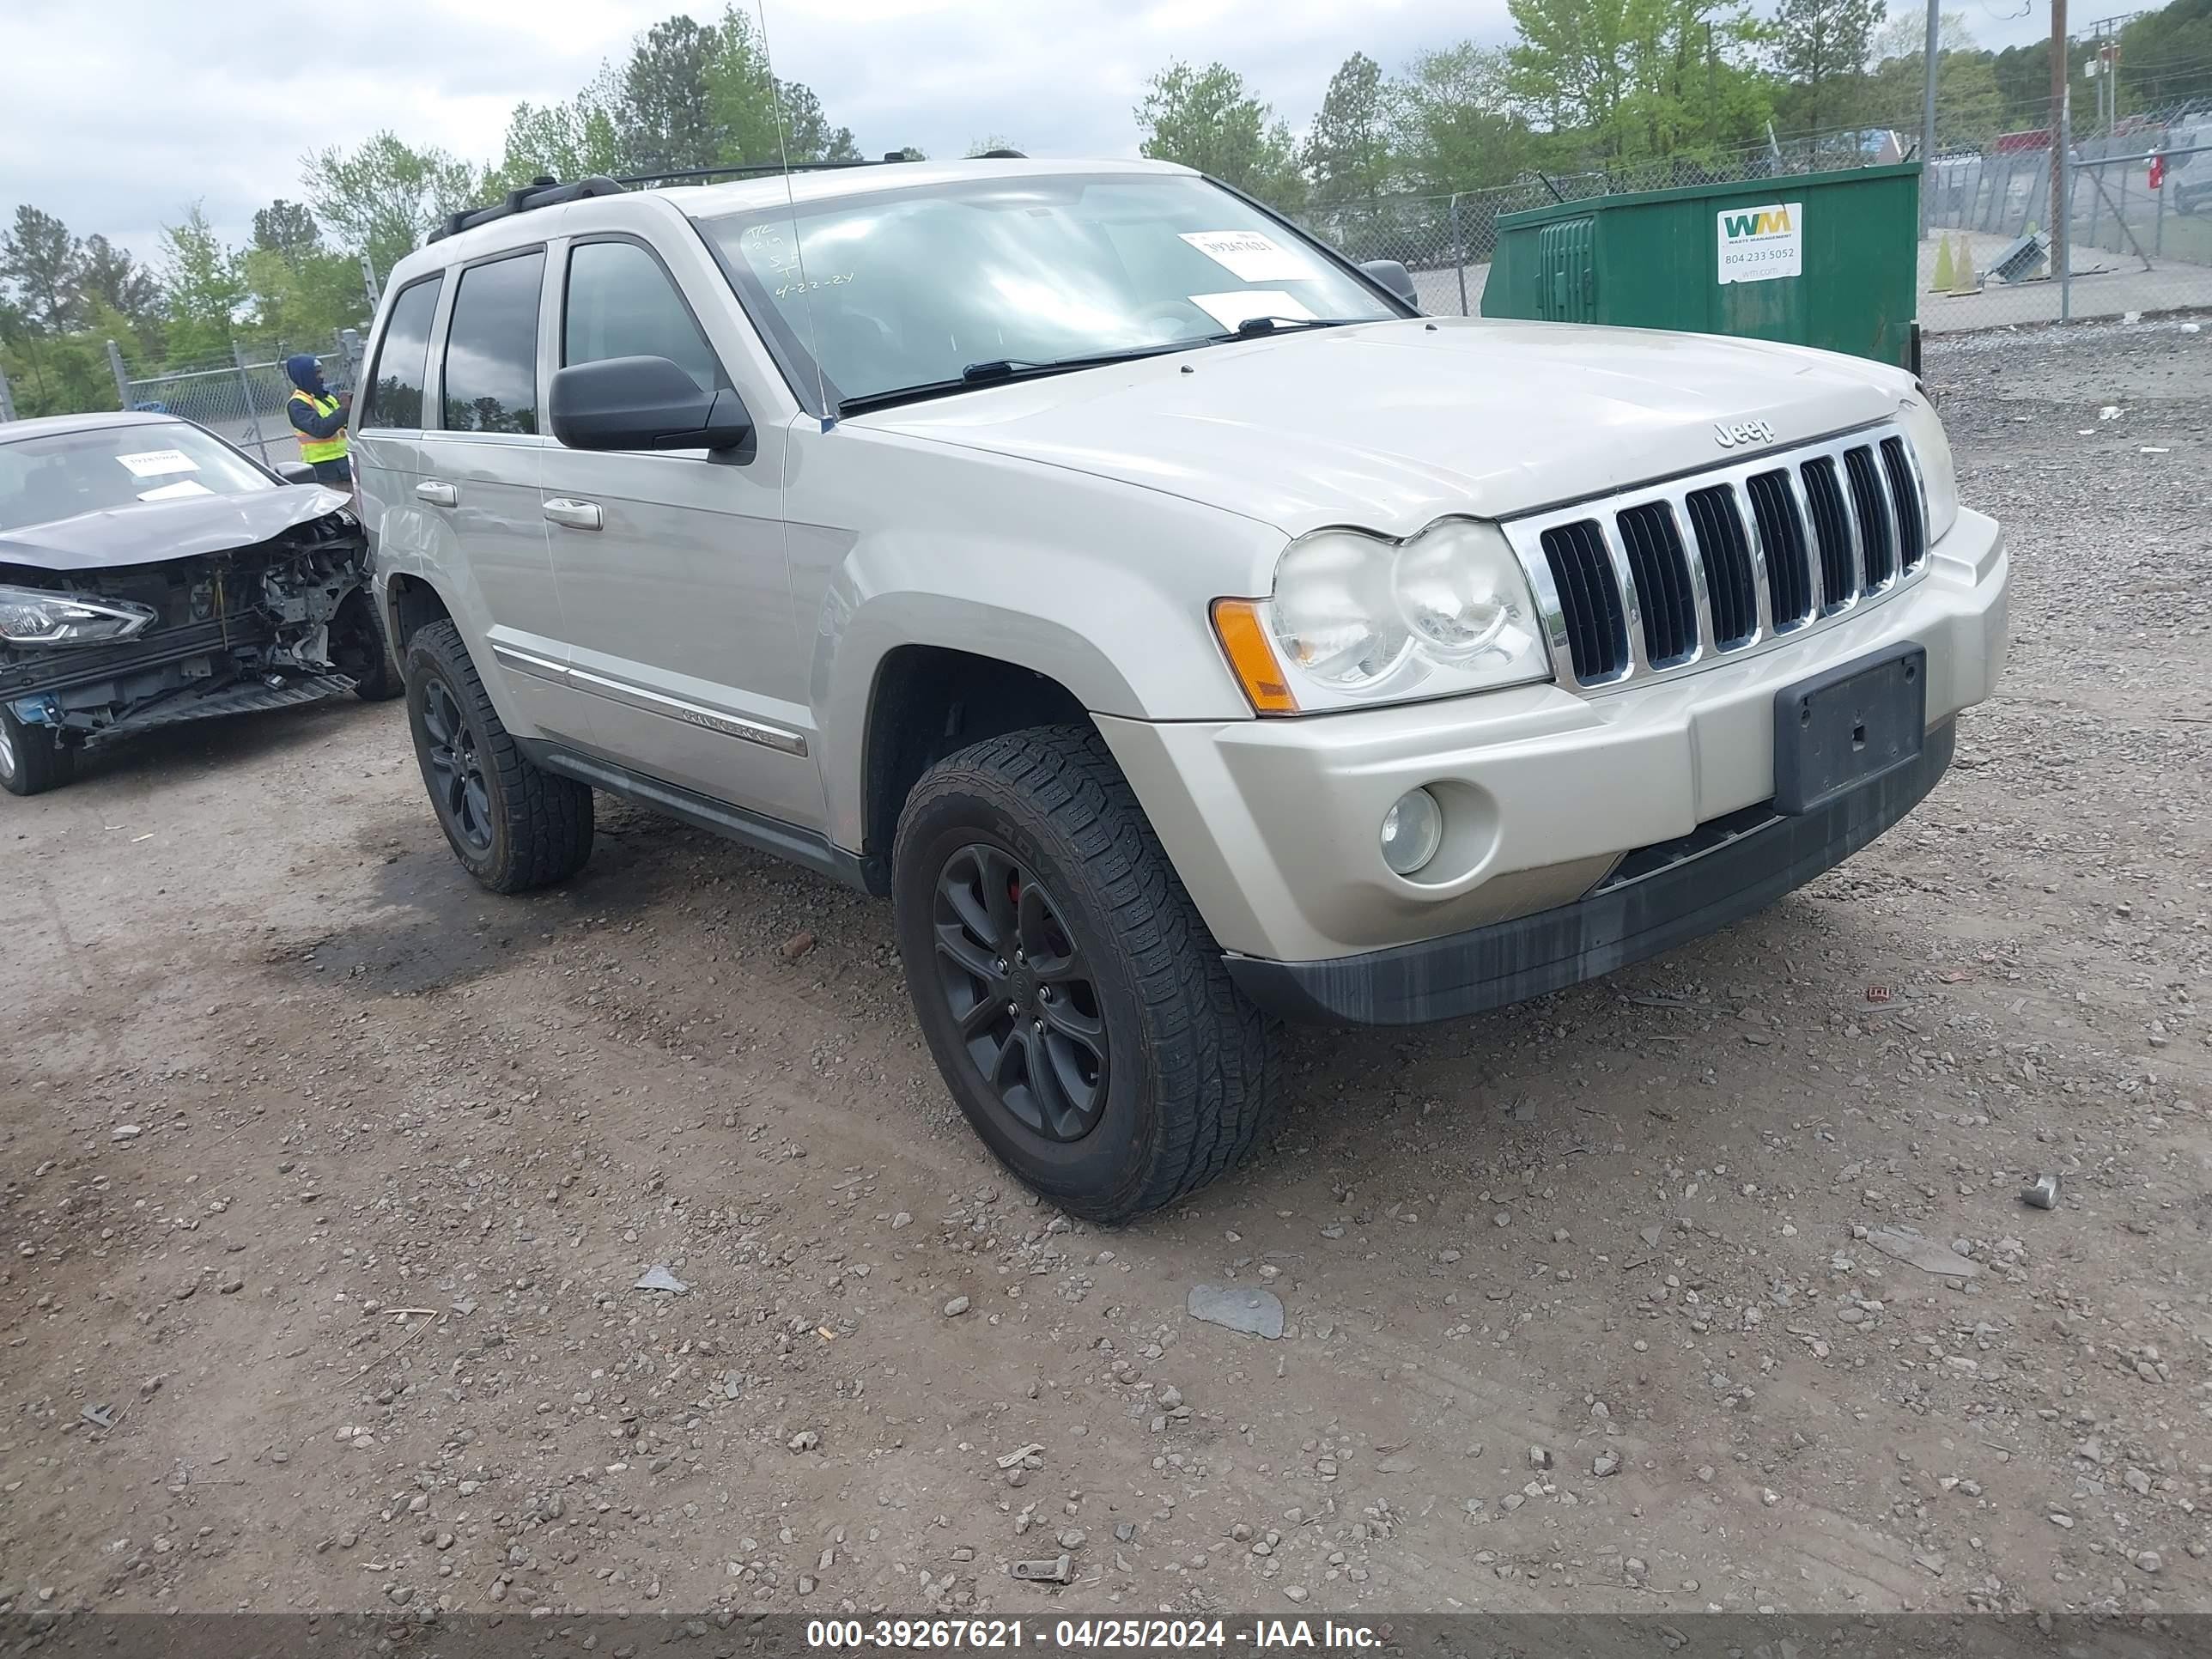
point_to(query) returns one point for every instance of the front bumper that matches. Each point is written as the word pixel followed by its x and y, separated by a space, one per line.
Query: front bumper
pixel 1665 897
pixel 1273 824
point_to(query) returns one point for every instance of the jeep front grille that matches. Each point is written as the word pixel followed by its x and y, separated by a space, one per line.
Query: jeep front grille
pixel 1666 578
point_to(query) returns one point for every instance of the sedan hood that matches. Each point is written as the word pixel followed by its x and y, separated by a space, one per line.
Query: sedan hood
pixel 153 532
pixel 1388 426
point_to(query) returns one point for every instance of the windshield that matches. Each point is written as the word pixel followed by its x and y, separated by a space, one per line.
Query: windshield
pixel 913 288
pixel 62 474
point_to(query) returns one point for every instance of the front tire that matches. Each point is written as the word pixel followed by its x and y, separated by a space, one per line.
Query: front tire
pixel 1069 991
pixel 361 650
pixel 32 759
pixel 512 825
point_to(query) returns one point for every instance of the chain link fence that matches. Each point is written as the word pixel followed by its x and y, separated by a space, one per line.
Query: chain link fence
pixel 242 397
pixel 2137 233
pixel 2133 247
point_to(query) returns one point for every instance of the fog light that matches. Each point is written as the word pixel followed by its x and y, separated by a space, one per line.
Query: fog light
pixel 1412 830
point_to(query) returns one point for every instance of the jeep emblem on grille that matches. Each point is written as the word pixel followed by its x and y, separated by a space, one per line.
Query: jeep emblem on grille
pixel 1743 432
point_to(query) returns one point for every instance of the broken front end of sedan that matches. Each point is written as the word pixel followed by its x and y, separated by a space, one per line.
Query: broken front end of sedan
pixel 110 626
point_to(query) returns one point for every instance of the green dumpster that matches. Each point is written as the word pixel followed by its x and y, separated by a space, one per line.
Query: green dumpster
pixel 1818 259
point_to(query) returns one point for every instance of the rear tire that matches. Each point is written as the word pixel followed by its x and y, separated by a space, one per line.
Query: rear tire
pixel 32 759
pixel 512 825
pixel 1129 1072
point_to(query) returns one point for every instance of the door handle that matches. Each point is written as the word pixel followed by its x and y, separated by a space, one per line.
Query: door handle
pixel 438 493
pixel 577 515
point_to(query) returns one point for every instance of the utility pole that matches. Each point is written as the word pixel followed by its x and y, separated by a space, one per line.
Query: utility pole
pixel 2062 207
pixel 1928 114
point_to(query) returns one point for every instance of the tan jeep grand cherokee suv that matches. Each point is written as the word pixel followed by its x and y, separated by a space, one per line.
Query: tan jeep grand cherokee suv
pixel 1184 633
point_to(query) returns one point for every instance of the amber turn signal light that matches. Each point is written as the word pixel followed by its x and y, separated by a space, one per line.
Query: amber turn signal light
pixel 1243 638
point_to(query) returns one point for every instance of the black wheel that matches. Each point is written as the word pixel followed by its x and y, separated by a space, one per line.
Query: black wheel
pixel 359 651
pixel 512 825
pixel 1067 989
pixel 32 759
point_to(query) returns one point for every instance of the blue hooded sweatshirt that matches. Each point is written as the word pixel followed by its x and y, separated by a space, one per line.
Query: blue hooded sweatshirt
pixel 305 373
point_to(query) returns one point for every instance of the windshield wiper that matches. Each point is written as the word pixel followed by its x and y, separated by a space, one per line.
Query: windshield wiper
pixel 1000 369
pixel 1252 326
pixel 997 370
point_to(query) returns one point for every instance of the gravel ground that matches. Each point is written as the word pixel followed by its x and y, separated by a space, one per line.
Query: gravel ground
pixel 328 1179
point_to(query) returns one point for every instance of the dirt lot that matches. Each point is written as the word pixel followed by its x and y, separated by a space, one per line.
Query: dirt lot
pixel 276 1075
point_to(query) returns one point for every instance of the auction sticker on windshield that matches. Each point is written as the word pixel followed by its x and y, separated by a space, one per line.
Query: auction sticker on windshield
pixel 1759 243
pixel 1251 256
pixel 1244 304
pixel 157 463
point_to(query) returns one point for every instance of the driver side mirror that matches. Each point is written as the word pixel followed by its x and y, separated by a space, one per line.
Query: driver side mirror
pixel 1393 275
pixel 295 472
pixel 643 402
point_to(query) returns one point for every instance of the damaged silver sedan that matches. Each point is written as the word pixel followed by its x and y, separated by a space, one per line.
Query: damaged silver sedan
pixel 151 573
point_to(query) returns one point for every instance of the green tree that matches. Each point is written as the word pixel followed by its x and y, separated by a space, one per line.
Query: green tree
pixel 565 141
pixel 1347 153
pixel 384 197
pixel 1205 118
pixel 1640 78
pixel 44 264
pixel 668 116
pixel 302 301
pixel 108 277
pixel 1454 125
pixel 807 131
pixel 989 142
pixel 1969 107
pixel 286 230
pixel 206 288
pixel 2167 57
pixel 1821 48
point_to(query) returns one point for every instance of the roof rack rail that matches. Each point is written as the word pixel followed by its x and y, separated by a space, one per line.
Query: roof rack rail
pixel 753 170
pixel 545 192
pixel 538 193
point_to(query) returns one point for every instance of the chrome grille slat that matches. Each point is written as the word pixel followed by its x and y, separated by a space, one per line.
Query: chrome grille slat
pixel 1725 562
pixel 1724 550
pixel 1755 546
pixel 1908 500
pixel 1785 552
pixel 1873 522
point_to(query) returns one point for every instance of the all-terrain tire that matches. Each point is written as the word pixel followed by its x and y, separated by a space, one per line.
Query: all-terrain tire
pixel 536 827
pixel 32 760
pixel 1191 1072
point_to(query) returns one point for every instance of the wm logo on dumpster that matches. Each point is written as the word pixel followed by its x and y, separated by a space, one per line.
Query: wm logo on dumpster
pixel 1761 222
pixel 1759 243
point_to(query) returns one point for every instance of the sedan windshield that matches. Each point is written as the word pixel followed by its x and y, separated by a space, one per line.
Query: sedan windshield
pixel 58 474
pixel 929 290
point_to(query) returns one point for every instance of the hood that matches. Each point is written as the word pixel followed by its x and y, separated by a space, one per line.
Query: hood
pixel 153 532
pixel 304 372
pixel 1388 426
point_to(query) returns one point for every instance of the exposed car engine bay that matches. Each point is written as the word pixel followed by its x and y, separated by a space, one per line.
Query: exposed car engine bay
pixel 98 653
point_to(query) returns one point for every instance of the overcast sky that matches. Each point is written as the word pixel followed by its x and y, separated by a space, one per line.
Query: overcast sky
pixel 115 114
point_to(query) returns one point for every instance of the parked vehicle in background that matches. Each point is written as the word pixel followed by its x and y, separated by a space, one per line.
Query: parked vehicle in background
pixel 151 573
pixel 2189 176
pixel 1182 631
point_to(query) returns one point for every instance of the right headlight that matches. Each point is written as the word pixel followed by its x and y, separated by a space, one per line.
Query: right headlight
pixel 31 615
pixel 1355 620
pixel 1917 414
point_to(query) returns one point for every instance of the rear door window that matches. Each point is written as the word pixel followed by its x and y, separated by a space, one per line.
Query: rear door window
pixel 491 347
pixel 403 358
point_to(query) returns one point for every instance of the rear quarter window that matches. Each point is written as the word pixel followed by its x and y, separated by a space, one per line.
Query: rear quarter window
pixel 403 358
